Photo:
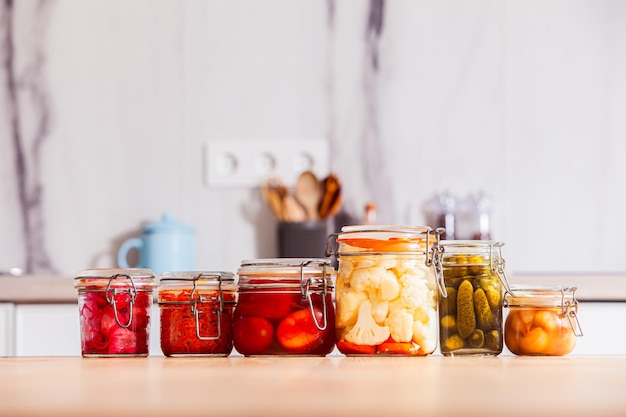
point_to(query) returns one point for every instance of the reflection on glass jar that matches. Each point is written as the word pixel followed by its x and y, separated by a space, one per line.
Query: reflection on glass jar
pixel 285 307
pixel 542 321
pixel 197 313
pixel 470 316
pixel 114 307
pixel 386 290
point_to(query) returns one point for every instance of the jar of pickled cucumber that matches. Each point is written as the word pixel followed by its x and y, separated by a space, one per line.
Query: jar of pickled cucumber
pixel 387 288
pixel 285 307
pixel 542 320
pixel 114 307
pixel 196 310
pixel 470 315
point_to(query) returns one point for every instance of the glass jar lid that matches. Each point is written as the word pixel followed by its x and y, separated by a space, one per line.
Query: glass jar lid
pixel 384 239
pixel 106 278
pixel 198 279
pixel 286 273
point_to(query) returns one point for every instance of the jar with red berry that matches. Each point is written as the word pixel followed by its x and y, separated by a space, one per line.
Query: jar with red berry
pixel 285 307
pixel 114 307
pixel 196 311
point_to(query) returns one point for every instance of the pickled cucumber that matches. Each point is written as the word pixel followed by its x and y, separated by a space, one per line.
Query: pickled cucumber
pixel 493 340
pixel 477 339
pixel 454 342
pixel 466 317
pixel 448 323
pixel 484 316
pixel 494 298
pixel 448 304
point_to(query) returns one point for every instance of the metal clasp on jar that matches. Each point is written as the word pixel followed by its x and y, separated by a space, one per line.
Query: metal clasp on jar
pixel 110 294
pixel 434 258
pixel 195 299
pixel 570 309
pixel 305 290
pixel 497 263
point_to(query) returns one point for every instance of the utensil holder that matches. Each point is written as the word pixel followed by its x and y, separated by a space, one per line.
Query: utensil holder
pixel 302 239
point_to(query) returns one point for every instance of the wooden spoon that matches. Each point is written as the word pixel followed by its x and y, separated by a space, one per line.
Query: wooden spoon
pixel 292 210
pixel 273 191
pixel 332 198
pixel 309 193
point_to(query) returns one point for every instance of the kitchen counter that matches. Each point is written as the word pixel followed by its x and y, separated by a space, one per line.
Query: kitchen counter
pixel 331 386
pixel 54 289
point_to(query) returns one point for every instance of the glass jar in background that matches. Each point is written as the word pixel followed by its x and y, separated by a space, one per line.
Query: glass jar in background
pixel 470 316
pixel 387 289
pixel 114 307
pixel 285 307
pixel 542 320
pixel 196 311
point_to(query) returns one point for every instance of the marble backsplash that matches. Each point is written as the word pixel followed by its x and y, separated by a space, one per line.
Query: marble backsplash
pixel 105 107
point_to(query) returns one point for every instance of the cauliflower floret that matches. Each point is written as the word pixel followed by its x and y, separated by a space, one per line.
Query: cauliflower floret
pixel 348 307
pixel 414 295
pixel 400 324
pixel 387 263
pixel 341 285
pixel 365 263
pixel 389 287
pixel 366 331
pixel 425 329
pixel 367 279
pixel 380 311
pixel 345 268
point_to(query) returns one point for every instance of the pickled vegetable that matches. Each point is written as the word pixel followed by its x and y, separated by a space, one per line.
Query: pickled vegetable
pixel 388 303
pixel 477 338
pixel 471 316
pixel 484 317
pixel 466 317
pixel 539 331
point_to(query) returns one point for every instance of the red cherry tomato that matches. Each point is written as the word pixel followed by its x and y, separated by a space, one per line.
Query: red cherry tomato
pixel 349 348
pixel 252 335
pixel 397 348
pixel 272 306
pixel 297 332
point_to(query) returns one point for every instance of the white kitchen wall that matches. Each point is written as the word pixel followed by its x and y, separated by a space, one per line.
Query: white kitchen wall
pixel 108 104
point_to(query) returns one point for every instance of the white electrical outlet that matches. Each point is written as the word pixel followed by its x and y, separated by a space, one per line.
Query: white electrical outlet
pixel 247 163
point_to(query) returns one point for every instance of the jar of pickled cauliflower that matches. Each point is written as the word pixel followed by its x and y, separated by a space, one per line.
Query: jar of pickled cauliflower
pixel 542 320
pixel 196 310
pixel 114 307
pixel 285 307
pixel 470 316
pixel 387 288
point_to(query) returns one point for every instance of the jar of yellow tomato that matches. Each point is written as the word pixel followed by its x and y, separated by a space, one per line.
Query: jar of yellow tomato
pixel 542 320
pixel 387 288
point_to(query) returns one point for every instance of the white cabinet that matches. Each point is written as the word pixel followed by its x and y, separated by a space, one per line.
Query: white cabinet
pixel 54 330
pixel 7 329
pixel 46 330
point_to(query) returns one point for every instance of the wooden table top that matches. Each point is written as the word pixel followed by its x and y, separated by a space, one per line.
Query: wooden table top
pixel 300 387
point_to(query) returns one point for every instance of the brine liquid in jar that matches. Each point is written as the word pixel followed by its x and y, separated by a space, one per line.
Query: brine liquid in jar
pixel 470 315
pixel 196 311
pixel 386 290
pixel 114 307
pixel 542 320
pixel 285 307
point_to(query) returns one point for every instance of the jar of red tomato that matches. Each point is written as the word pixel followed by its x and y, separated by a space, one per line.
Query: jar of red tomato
pixel 285 307
pixel 542 320
pixel 196 310
pixel 387 289
pixel 114 307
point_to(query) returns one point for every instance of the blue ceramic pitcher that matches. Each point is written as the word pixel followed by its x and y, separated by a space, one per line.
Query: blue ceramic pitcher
pixel 163 246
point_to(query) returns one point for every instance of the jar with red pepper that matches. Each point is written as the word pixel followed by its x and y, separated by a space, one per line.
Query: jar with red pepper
pixel 114 307
pixel 196 310
pixel 285 307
